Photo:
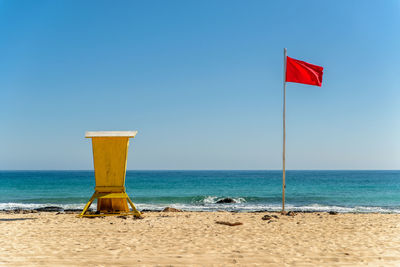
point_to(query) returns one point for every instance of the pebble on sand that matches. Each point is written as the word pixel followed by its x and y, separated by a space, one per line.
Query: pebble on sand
pixel 169 209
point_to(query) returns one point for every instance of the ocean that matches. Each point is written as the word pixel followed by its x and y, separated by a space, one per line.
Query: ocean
pixel 341 191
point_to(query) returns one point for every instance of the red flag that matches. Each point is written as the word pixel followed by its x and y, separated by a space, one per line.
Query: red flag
pixel 298 71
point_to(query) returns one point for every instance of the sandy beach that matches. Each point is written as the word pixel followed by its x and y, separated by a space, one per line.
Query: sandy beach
pixel 194 238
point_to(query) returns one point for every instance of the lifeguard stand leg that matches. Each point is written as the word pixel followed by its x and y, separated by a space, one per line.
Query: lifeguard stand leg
pixel 98 195
pixel 136 212
pixel 88 205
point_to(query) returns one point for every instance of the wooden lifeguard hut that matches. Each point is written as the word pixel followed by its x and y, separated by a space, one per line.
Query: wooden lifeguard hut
pixel 110 153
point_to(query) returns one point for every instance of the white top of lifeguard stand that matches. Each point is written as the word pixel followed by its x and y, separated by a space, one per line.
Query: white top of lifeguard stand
pixel 111 134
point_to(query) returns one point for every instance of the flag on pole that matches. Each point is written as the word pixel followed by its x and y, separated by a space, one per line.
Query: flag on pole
pixel 298 71
pixel 295 71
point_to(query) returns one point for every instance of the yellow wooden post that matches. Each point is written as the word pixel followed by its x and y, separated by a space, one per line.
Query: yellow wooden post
pixel 110 153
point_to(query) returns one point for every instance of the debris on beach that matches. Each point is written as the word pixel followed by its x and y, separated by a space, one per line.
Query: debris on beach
pixel 269 217
pixel 333 213
pixel 72 211
pixel 19 211
pixel 229 223
pixel 288 213
pixel 50 209
pixel 266 217
pixel 169 209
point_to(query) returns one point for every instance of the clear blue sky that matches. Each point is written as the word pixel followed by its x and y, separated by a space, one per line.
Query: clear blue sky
pixel 201 81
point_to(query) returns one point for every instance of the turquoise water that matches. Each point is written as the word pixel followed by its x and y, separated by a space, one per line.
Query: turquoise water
pixel 343 191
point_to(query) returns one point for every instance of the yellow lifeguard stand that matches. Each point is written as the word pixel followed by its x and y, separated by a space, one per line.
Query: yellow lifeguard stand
pixel 110 153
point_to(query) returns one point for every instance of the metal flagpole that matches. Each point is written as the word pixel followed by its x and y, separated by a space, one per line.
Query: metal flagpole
pixel 284 130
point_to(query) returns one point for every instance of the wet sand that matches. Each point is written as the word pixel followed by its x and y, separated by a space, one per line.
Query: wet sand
pixel 194 238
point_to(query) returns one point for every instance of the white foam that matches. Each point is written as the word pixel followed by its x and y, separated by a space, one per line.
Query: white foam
pixel 239 200
pixel 214 200
pixel 263 207
pixel 31 206
pixel 210 200
pixel 210 205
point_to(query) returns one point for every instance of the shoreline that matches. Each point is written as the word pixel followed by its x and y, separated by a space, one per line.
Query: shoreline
pixel 200 239
pixel 62 210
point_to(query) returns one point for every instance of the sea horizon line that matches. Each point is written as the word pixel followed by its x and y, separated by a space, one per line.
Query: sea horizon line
pixel 155 170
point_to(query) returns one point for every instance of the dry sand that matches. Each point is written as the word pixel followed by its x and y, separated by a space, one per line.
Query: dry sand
pixel 194 238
